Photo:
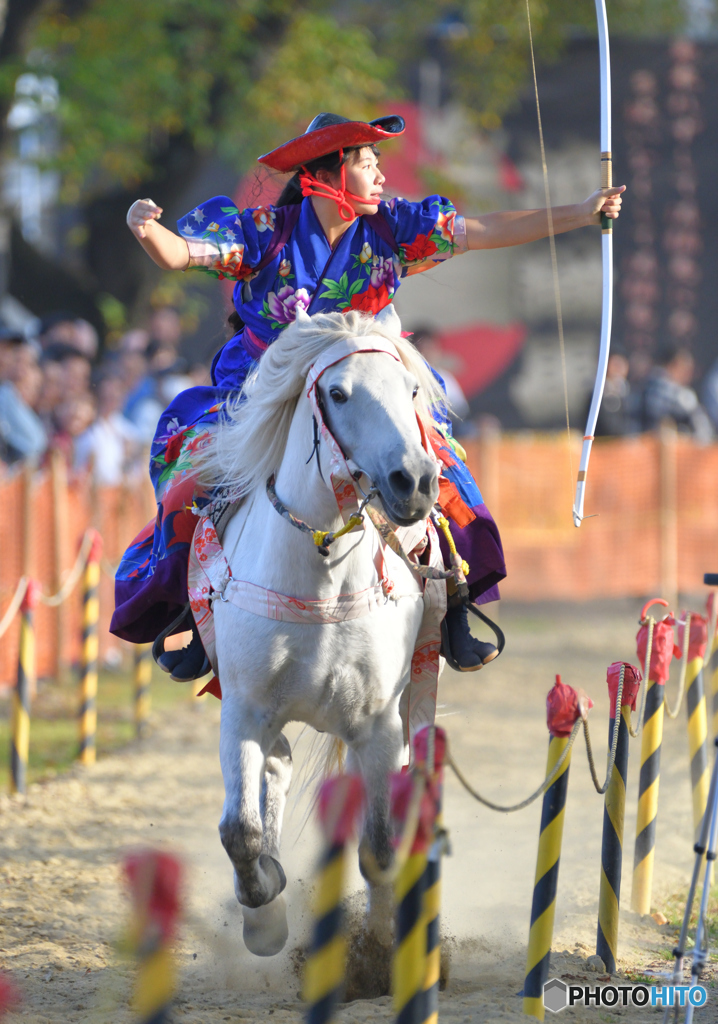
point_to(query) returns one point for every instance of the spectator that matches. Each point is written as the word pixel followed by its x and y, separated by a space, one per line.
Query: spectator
pixel 428 344
pixel 668 395
pixel 199 375
pixel 85 339
pixel 51 393
pixel 57 328
pixel 62 328
pixel 613 416
pixel 22 434
pixel 135 340
pixel 710 394
pixel 111 444
pixel 166 328
pixel 75 369
pixel 72 418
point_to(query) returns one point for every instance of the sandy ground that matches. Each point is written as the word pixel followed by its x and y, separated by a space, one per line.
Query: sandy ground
pixel 62 905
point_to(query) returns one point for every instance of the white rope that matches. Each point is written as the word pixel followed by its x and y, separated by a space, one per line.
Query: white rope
pixel 108 568
pixel 50 600
pixel 15 603
pixel 672 712
pixel 73 578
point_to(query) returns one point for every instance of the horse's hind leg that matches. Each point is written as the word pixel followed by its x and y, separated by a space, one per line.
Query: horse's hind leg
pixel 265 928
pixel 369 971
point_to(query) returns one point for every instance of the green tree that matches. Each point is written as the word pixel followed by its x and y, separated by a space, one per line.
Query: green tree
pixel 153 89
pixel 483 44
pixel 227 75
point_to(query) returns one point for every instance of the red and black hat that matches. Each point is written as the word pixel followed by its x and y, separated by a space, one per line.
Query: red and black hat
pixel 328 133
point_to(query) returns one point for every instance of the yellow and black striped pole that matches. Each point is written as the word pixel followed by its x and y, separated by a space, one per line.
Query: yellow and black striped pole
pixel 543 905
pixel 713 664
pixel 142 695
pixel 651 739
pixel 340 801
pixel 613 812
pixel 90 652
pixel 20 737
pixel 154 880
pixel 409 963
pixel 429 752
pixel 697 719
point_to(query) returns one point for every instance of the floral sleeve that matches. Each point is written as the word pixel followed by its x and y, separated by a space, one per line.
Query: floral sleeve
pixel 426 232
pixel 224 242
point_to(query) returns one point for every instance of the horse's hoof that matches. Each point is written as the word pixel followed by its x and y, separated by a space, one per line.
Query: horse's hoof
pixel 268 882
pixel 274 873
pixel 265 929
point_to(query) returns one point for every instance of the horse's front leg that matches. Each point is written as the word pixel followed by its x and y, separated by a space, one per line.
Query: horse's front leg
pixel 258 875
pixel 378 757
pixel 265 928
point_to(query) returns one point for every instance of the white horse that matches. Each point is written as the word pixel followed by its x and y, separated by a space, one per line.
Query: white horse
pixel 344 678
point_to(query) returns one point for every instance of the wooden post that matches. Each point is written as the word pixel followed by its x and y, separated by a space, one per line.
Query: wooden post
pixel 58 473
pixel 28 547
pixel 668 512
pixel 489 464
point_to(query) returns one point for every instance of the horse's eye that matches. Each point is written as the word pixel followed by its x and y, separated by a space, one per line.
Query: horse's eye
pixel 415 392
pixel 337 395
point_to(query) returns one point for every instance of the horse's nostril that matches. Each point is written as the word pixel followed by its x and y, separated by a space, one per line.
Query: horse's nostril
pixel 401 483
pixel 426 484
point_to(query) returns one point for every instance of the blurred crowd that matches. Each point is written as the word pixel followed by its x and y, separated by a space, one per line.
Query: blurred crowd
pixel 641 394
pixel 58 393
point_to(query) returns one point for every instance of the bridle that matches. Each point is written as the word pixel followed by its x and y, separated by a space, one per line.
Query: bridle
pixel 341 474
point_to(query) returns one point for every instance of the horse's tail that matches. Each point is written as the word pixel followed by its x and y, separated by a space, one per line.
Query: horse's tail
pixel 325 757
pixel 335 751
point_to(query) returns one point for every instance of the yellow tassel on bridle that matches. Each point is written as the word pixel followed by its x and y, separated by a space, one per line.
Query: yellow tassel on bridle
pixel 320 536
pixel 443 522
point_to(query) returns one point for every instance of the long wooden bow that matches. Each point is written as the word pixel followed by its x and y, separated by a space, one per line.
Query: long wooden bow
pixel 607 255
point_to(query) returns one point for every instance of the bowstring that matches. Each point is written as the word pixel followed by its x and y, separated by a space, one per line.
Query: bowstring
pixel 552 246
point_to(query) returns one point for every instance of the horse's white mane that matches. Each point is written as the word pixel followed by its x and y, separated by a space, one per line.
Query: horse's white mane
pixel 250 440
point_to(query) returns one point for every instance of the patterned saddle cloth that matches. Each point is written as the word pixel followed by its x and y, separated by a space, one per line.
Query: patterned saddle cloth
pixel 210 579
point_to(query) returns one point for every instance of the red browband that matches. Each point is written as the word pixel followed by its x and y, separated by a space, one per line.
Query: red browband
pixel 311 186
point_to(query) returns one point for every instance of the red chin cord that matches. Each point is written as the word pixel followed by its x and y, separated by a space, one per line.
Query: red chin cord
pixel 311 187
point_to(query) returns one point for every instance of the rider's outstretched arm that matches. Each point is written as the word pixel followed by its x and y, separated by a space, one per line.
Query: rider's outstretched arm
pixel 514 227
pixel 167 249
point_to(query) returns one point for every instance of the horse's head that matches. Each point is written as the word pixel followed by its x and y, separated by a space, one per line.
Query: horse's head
pixel 370 402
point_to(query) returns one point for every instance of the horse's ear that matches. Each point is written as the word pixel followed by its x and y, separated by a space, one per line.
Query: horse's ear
pixel 389 319
pixel 302 317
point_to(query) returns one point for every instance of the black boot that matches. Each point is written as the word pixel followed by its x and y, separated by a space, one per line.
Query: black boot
pixel 463 651
pixel 188 662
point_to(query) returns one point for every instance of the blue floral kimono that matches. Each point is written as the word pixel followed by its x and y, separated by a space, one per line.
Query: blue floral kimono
pixel 362 273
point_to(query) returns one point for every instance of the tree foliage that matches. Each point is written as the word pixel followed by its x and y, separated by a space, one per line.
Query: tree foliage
pixel 484 45
pixel 229 74
pixel 239 76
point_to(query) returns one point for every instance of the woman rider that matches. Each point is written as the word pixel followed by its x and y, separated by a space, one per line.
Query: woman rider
pixel 329 243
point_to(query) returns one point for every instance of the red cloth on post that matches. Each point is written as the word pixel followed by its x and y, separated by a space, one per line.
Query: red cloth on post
pixel 662 650
pixel 631 684
pixel 563 708
pixel 697 636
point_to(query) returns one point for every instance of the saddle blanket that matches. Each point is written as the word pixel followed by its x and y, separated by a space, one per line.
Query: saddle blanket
pixel 210 579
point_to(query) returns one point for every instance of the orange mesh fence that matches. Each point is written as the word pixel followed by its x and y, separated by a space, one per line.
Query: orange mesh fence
pixel 655 502
pixel 656 528
pixel 43 519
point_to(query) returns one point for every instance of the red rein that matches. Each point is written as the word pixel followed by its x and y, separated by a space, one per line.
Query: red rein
pixel 311 187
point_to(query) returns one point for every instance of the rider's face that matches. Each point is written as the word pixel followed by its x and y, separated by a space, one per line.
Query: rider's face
pixel 363 178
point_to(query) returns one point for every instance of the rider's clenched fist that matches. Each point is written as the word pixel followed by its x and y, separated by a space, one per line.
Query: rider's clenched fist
pixel 140 214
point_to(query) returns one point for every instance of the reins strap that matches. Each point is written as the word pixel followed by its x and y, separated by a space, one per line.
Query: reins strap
pixel 382 527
